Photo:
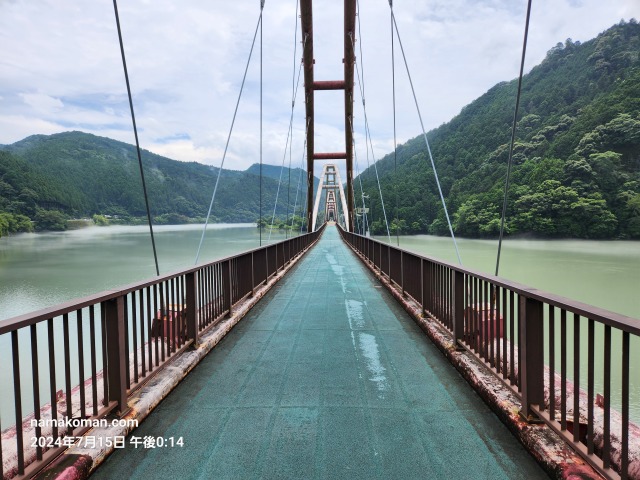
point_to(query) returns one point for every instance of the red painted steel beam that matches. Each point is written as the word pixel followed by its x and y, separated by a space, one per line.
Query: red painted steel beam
pixel 306 21
pixel 330 156
pixel 349 61
pixel 329 85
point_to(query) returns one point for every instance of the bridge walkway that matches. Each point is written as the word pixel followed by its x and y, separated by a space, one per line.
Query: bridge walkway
pixel 326 378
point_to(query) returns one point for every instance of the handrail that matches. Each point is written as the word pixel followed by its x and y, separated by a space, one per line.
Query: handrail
pixel 112 342
pixel 512 328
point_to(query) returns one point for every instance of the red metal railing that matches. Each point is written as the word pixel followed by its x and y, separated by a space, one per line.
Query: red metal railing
pixel 512 328
pixel 83 359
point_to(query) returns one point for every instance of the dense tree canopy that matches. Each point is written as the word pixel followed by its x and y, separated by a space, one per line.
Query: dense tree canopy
pixel 576 160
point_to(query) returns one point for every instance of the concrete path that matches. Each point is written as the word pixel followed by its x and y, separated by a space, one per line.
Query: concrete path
pixel 326 378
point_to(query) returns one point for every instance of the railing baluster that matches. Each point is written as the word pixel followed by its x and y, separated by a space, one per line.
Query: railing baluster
pixel 83 410
pixel 625 407
pixel 590 386
pixel 67 369
pixel 485 320
pixel 519 340
pixel 576 378
pixel 552 363
pixel 17 399
pixel 491 329
pixel 127 363
pixel 512 338
pixel 563 369
pixel 94 366
pixel 606 423
pixel 103 335
pixel 143 344
pixel 35 375
pixel 52 377
pixel 134 335
pixel 505 337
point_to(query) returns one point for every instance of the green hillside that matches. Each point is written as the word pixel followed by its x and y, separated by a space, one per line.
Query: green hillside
pixel 576 160
pixel 76 174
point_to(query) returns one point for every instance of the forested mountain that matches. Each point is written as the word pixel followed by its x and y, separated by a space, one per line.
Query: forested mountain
pixel 78 174
pixel 576 170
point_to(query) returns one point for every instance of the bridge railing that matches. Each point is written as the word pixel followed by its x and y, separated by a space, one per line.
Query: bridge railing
pixel 82 360
pixel 569 363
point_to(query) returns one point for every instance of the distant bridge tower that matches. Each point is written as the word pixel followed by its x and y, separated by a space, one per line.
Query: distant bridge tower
pixel 330 181
pixel 310 86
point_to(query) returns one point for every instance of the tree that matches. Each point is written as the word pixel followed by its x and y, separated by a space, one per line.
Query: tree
pixel 50 220
pixel 100 220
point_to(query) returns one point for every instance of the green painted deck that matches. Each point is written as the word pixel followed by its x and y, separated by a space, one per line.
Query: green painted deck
pixel 326 378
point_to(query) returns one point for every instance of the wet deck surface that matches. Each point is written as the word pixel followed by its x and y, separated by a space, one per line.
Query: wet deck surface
pixel 326 378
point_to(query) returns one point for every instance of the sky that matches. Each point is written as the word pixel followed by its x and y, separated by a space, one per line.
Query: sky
pixel 61 70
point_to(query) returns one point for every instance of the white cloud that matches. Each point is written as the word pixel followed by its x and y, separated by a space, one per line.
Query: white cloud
pixel 41 103
pixel 60 68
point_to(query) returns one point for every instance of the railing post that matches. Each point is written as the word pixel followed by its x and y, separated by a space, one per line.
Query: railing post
pixel 226 277
pixel 116 365
pixel 532 349
pixel 253 277
pixel 402 273
pixel 423 284
pixel 192 302
pixel 458 308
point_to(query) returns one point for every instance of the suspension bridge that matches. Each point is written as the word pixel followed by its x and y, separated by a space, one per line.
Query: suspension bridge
pixel 327 355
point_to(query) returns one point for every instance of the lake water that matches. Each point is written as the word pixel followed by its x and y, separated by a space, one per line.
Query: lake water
pixel 41 270
pixel 601 273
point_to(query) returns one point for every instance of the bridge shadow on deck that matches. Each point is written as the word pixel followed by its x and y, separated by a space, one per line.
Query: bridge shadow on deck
pixel 326 378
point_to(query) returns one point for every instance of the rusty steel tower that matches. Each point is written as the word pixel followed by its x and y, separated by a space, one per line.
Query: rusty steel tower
pixel 311 85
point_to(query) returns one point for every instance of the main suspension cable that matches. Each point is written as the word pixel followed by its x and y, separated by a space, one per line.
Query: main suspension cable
pixel 233 121
pixel 513 136
pixel 424 134
pixel 368 136
pixel 135 133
